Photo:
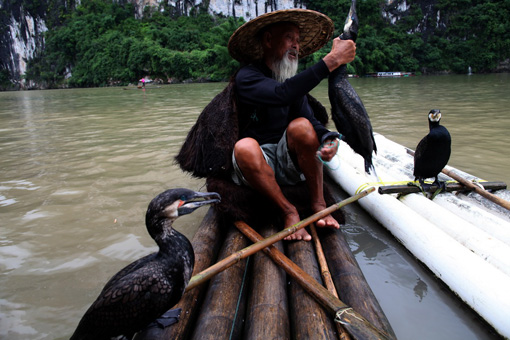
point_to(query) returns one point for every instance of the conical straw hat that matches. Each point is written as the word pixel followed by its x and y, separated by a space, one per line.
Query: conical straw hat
pixel 315 30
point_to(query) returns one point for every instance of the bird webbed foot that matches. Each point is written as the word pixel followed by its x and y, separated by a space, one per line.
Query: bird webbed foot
pixel 169 317
pixel 441 186
pixel 420 184
pixel 153 330
pixel 426 188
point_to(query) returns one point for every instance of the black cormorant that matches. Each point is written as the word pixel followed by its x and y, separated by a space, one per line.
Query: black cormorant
pixel 347 110
pixel 433 151
pixel 148 287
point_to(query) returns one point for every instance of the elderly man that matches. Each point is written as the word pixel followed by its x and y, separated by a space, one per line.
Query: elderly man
pixel 280 139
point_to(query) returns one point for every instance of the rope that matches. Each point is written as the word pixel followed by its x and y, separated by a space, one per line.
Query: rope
pixel 328 145
pixel 239 298
pixel 346 310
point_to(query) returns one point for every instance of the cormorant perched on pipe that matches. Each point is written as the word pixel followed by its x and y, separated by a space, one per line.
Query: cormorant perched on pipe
pixel 145 289
pixel 433 151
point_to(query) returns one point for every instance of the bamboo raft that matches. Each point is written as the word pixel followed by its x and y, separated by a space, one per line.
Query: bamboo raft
pixel 255 299
pixel 463 237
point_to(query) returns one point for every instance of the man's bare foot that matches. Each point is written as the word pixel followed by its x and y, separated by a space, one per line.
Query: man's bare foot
pixel 326 222
pixel 301 234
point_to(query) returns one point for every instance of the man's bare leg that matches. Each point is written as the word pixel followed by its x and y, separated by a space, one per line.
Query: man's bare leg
pixel 303 143
pixel 261 177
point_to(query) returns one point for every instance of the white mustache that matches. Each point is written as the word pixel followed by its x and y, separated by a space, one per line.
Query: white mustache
pixel 292 51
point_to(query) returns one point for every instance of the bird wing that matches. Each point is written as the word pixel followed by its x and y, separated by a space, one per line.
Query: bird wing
pixel 131 302
pixel 133 266
pixel 419 155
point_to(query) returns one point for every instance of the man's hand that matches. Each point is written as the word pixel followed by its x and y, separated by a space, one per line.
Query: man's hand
pixel 328 150
pixel 342 52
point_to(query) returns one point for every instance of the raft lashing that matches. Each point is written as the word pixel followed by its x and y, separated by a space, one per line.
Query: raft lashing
pixel 255 299
pixel 462 237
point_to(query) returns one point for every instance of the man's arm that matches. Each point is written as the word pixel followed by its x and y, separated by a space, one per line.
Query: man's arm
pixel 256 88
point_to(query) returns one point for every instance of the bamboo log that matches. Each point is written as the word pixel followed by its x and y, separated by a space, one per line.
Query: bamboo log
pixel 236 257
pixel 350 281
pixel 409 189
pixel 206 245
pixel 326 277
pixel 310 319
pixel 355 323
pixel 267 315
pixel 220 315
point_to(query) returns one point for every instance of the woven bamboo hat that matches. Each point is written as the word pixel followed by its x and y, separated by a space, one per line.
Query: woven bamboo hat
pixel 315 30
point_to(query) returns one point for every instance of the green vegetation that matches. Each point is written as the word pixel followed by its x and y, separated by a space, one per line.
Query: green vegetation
pixel 472 33
pixel 103 44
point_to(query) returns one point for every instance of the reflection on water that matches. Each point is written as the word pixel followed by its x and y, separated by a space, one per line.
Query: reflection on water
pixel 417 305
pixel 79 168
pixel 420 290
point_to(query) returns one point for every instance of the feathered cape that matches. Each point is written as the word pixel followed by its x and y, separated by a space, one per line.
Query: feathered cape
pixel 207 150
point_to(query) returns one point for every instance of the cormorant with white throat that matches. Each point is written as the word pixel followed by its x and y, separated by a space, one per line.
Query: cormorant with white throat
pixel 148 287
pixel 433 151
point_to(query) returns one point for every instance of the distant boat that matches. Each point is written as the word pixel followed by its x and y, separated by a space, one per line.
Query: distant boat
pixel 391 74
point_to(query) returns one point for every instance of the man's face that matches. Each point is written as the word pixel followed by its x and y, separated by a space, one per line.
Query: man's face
pixel 281 44
pixel 285 41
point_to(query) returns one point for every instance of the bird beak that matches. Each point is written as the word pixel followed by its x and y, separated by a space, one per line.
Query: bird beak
pixel 196 201
pixel 435 115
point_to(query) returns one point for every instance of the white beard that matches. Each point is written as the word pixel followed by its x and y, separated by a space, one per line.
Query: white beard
pixel 284 68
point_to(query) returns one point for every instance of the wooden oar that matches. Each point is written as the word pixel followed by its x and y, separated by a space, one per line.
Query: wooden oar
pixel 326 276
pixel 206 274
pixel 498 200
pixel 355 323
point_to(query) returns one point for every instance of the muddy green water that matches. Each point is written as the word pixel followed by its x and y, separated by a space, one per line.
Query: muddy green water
pixel 78 168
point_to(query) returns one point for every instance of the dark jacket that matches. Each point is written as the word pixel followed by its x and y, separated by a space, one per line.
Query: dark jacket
pixel 266 106
pixel 207 150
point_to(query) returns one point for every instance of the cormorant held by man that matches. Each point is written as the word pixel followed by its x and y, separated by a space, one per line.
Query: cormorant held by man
pixel 145 289
pixel 347 110
pixel 433 152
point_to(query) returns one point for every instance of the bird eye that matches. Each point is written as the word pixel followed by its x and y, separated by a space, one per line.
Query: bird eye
pixel 183 198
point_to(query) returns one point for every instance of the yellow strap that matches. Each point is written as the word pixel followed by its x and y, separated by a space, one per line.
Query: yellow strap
pixel 378 184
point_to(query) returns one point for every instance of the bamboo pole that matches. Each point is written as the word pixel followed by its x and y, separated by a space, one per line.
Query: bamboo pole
pixel 498 200
pixel 355 323
pixel 206 274
pixel 326 276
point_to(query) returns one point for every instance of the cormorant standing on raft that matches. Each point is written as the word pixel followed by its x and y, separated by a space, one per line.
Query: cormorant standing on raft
pixel 433 152
pixel 148 287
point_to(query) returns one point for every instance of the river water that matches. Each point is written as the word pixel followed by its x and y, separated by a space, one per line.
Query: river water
pixel 78 168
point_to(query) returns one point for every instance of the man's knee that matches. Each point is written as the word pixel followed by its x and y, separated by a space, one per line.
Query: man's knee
pixel 247 151
pixel 301 130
